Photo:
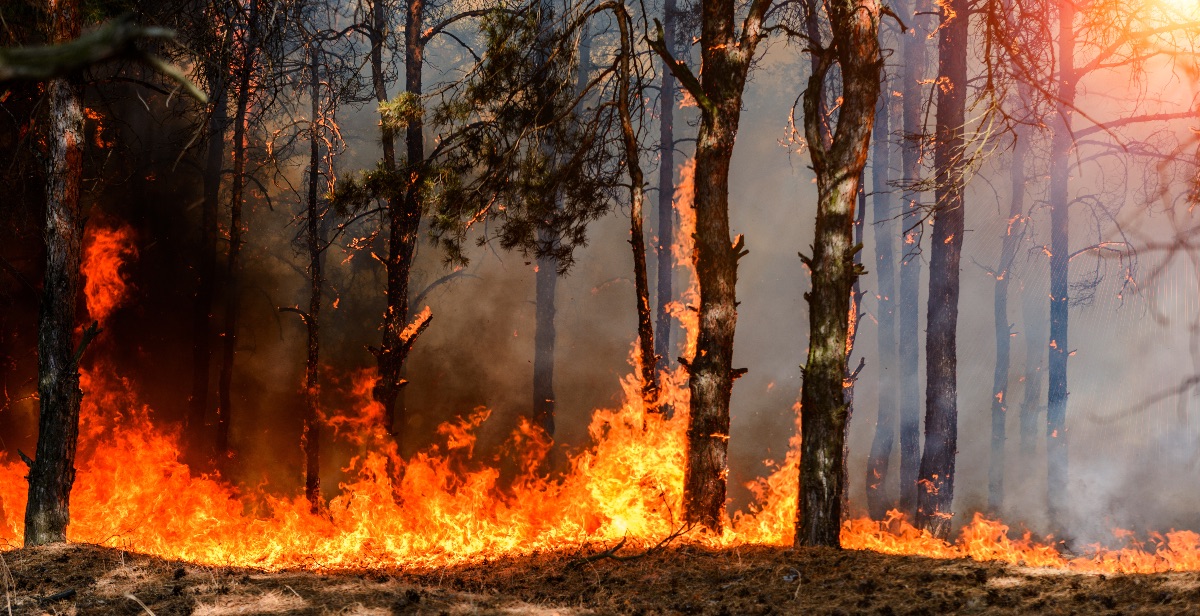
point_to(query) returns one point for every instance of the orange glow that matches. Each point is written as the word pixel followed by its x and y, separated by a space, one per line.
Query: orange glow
pixel 105 251
pixel 447 505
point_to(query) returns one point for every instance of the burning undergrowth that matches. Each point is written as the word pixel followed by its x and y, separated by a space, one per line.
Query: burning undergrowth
pixel 447 505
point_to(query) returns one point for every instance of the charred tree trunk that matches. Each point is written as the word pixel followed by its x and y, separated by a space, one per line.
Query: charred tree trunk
pixel 233 264
pixel 1008 252
pixel 838 159
pixel 725 61
pixel 666 205
pixel 936 496
pixel 908 333
pixel 879 462
pixel 310 437
pixel 649 363
pixel 52 472
pixel 1032 315
pixel 202 310
pixel 403 213
pixel 1061 145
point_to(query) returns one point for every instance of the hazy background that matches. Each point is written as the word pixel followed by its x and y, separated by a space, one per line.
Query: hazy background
pixel 1132 464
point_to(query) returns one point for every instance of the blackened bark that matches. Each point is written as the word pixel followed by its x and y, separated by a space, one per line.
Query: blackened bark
pixel 636 201
pixel 936 494
pixel 310 436
pixel 666 204
pixel 824 399
pixel 1061 146
pixel 725 60
pixel 202 311
pixel 1003 329
pixel 884 222
pixel 233 261
pixel 908 333
pixel 52 473
pixel 403 212
pixel 546 282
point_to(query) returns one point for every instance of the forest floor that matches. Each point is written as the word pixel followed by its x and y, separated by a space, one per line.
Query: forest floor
pixel 84 579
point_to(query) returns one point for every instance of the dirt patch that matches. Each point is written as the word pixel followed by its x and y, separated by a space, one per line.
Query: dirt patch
pixel 82 579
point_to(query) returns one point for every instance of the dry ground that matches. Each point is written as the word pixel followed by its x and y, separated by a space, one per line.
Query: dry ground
pixel 82 579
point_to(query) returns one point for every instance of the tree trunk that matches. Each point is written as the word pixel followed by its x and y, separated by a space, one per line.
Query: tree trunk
pixel 636 200
pixel 1003 275
pixel 202 311
pixel 233 265
pixel 724 62
pixel 1032 315
pixel 907 312
pixel 878 502
pixel 53 470
pixel 715 260
pixel 666 204
pixel 310 437
pixel 838 159
pixel 1061 145
pixel 403 214
pixel 936 496
pixel 543 341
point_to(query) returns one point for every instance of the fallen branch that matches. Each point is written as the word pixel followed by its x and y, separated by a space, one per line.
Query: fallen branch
pixel 89 335
pixel 58 596
pixel 129 595
pixel 612 552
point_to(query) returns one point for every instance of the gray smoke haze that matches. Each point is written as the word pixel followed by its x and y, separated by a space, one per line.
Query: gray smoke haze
pixel 1129 459
pixel 1133 456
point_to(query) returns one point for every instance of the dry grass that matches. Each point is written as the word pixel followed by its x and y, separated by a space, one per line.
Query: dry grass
pixel 684 579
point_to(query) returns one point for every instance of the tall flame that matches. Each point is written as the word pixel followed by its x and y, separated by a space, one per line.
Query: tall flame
pixel 105 251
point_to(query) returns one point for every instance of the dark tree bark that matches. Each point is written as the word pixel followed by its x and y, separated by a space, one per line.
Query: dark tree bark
pixel 1008 252
pixel 838 156
pixel 637 239
pixel 725 60
pixel 233 263
pixel 546 272
pixel 1061 146
pixel 403 212
pixel 908 333
pixel 666 195
pixel 202 310
pixel 885 226
pixel 936 495
pixel 546 283
pixel 649 360
pixel 52 472
pixel 310 436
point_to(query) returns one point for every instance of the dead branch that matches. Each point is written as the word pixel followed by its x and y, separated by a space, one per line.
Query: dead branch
pixel 113 40
pixel 89 335
pixel 612 552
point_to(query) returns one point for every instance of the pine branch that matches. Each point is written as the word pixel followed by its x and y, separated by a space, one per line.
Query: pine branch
pixel 111 41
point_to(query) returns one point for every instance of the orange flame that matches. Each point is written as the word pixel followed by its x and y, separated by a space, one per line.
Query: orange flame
pixel 105 287
pixel 444 505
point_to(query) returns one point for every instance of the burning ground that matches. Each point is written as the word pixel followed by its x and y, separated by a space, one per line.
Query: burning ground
pixel 690 579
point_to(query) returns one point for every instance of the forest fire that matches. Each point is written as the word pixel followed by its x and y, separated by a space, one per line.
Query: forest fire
pixel 134 493
pixel 346 289
pixel 444 506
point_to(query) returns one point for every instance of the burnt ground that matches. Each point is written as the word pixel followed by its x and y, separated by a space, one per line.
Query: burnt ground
pixel 83 579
